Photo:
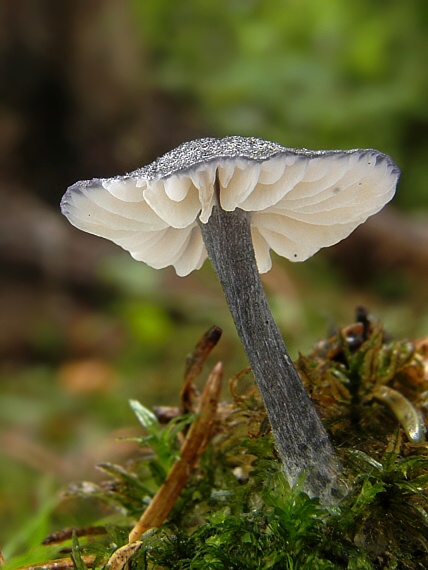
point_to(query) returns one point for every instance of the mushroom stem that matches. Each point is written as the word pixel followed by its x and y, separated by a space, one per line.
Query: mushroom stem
pixel 300 437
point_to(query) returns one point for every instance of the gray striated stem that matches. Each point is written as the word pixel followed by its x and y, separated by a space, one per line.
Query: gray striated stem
pixel 300 437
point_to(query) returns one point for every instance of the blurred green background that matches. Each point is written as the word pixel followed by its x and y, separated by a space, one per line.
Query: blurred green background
pixel 100 88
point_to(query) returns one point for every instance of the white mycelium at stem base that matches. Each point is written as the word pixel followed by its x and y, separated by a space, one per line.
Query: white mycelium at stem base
pixel 235 199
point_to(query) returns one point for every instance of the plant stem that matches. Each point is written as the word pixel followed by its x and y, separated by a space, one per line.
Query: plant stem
pixel 194 445
pixel 301 439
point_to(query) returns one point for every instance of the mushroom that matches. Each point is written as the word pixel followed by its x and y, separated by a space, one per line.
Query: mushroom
pixel 234 199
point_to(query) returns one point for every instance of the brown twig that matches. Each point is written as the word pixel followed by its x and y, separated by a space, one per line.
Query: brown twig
pixel 123 555
pixel 195 443
pixel 194 364
pixel 60 564
pixel 66 534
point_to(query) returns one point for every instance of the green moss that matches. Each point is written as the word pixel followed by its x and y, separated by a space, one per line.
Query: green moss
pixel 238 512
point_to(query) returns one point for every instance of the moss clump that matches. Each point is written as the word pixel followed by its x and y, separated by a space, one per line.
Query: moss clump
pixel 237 511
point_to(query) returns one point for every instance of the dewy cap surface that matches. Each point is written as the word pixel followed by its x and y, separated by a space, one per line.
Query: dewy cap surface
pixel 299 200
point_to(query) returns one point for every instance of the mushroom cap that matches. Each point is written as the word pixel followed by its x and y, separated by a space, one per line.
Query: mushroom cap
pixel 299 200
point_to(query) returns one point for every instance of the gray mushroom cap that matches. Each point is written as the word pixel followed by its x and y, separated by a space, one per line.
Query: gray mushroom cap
pixel 299 200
